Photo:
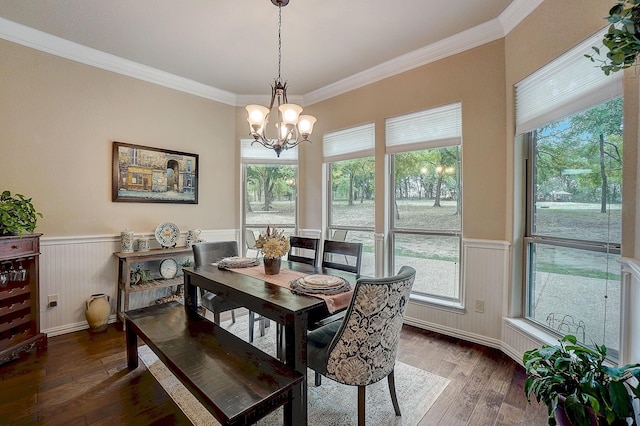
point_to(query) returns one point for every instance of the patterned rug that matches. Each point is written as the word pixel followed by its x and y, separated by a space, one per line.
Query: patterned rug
pixel 330 404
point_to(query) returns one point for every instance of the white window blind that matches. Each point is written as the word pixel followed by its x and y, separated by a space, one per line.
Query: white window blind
pixel 432 128
pixel 258 154
pixel 347 144
pixel 569 84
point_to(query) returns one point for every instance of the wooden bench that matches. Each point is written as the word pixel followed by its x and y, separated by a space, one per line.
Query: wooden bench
pixel 234 380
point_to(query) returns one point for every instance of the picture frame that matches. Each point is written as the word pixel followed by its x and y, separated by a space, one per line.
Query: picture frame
pixel 142 174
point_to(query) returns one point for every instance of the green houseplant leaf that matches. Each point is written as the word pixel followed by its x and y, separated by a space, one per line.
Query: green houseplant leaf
pixel 622 39
pixel 17 214
pixel 575 379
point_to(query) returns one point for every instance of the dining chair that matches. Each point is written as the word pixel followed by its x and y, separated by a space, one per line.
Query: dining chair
pixel 297 244
pixel 348 250
pixel 210 252
pixel 250 240
pixel 206 253
pixel 340 235
pixel 361 349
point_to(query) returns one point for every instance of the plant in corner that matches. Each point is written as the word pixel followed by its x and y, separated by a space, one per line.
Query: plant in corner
pixel 17 214
pixel 622 39
pixel 574 382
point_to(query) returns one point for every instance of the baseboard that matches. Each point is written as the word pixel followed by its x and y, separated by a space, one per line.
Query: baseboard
pixel 70 328
pixel 452 332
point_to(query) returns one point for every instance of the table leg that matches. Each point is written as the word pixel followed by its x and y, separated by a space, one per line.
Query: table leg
pixel 296 356
pixel 132 347
pixel 190 295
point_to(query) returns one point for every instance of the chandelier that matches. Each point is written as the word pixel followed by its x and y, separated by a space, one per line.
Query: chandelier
pixel 292 128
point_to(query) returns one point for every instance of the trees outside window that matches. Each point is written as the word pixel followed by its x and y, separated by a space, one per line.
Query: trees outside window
pixel 574 225
pixel 427 219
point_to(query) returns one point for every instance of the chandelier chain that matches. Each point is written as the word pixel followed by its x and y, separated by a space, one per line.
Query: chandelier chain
pixel 279 40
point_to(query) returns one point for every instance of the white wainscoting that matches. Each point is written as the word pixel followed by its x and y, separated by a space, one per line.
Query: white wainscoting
pixel 485 277
pixel 74 268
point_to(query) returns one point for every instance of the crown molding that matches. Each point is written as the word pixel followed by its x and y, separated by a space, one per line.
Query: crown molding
pixel 516 12
pixel 26 36
pixel 466 40
pixel 492 30
pixel 469 39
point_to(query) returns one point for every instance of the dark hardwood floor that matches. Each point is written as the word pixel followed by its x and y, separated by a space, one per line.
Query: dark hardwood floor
pixel 82 379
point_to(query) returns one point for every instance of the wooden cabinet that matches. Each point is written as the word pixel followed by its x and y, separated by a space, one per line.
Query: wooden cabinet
pixel 126 263
pixel 19 294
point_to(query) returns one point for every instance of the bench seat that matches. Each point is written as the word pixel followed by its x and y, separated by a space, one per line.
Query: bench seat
pixel 234 380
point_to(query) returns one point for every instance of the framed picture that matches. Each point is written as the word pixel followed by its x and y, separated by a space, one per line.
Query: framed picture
pixel 142 174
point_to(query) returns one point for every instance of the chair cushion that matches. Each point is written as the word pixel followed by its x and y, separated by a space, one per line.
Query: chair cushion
pixel 318 342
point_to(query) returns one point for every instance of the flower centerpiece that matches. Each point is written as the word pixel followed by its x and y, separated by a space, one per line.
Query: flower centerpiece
pixel 273 244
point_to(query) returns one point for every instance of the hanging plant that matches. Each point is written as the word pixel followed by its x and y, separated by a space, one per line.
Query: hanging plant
pixel 622 39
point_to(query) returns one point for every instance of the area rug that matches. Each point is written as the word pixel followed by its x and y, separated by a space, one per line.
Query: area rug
pixel 330 404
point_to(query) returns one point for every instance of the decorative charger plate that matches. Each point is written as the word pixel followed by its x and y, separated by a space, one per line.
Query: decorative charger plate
pixel 323 280
pixel 167 234
pixel 238 262
pixel 299 285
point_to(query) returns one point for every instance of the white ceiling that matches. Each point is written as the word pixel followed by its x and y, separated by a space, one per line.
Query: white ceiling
pixel 227 50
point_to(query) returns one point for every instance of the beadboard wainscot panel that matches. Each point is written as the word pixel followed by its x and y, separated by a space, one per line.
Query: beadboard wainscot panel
pixel 76 267
pixel 485 276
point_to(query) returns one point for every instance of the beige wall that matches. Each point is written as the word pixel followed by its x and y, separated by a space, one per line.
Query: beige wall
pixel 475 78
pixel 58 121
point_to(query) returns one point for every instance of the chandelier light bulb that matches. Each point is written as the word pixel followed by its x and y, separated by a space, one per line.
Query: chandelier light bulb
pixel 290 113
pixel 257 115
pixel 305 124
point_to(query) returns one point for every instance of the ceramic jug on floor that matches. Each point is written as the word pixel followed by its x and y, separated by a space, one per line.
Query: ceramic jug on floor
pixel 97 311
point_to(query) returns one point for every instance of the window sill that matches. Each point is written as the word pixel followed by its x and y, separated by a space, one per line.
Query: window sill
pixel 433 302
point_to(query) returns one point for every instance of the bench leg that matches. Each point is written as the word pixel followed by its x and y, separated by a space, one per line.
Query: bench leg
pixel 288 410
pixel 132 347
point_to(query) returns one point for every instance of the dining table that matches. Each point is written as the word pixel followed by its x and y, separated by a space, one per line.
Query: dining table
pixel 294 311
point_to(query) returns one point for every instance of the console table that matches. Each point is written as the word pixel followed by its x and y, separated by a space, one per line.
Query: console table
pixel 125 261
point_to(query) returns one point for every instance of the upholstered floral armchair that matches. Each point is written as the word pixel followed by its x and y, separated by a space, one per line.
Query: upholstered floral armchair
pixel 361 349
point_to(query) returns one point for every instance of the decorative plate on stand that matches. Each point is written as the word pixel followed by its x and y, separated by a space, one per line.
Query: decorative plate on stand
pixel 167 234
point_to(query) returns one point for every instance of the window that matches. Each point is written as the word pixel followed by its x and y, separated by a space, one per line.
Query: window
pixel 571 116
pixel 269 188
pixel 348 155
pixel 426 199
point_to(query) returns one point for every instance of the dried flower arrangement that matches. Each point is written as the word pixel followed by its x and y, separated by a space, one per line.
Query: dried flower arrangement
pixel 273 243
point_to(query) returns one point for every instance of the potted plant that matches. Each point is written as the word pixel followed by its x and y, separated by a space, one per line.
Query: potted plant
pixel 622 39
pixel 17 214
pixel 140 276
pixel 576 385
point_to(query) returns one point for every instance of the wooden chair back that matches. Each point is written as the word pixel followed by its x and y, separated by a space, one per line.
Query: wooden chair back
pixel 344 249
pixel 302 243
